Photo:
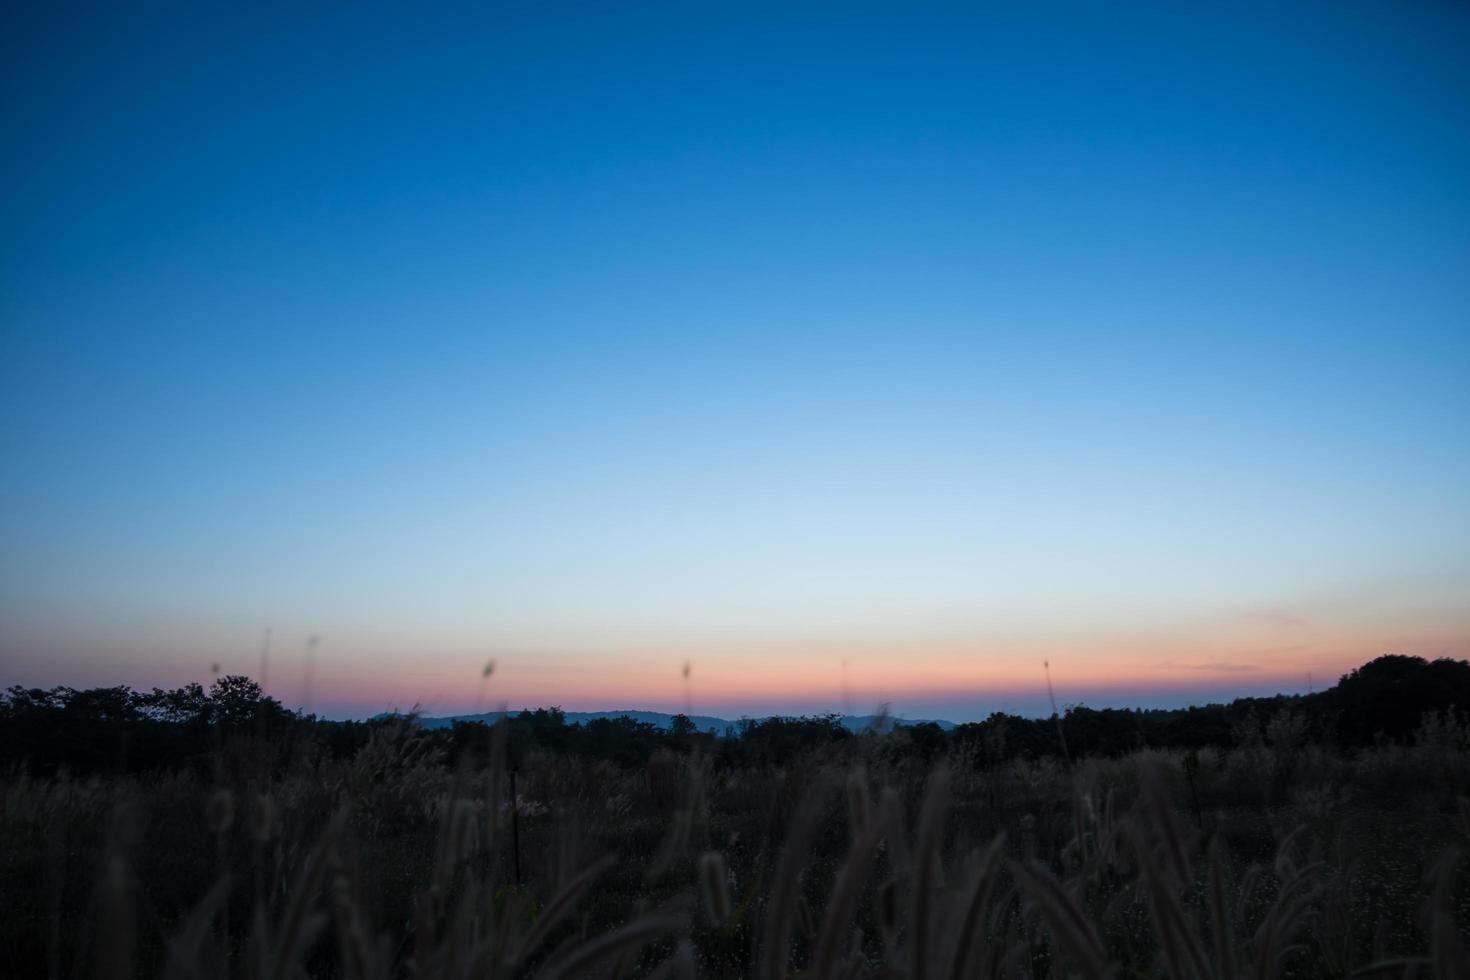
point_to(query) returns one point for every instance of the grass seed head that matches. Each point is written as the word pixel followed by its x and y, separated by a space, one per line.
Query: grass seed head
pixel 714 886
pixel 262 818
pixel 219 811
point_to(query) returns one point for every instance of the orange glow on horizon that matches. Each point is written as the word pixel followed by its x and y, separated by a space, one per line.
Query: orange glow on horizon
pixel 721 682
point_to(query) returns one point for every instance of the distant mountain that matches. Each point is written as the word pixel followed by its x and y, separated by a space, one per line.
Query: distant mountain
pixel 703 723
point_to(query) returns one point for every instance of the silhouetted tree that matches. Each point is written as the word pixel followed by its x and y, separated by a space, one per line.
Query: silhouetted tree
pixel 236 700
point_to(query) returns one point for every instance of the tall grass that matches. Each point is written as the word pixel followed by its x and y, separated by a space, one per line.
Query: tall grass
pixel 851 861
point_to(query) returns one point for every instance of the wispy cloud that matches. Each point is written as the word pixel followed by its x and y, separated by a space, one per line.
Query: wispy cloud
pixel 1280 654
pixel 1212 666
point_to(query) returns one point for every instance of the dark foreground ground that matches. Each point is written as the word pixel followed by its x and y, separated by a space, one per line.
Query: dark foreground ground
pixel 216 835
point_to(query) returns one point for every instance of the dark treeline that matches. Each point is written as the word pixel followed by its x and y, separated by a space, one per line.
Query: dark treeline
pixel 118 729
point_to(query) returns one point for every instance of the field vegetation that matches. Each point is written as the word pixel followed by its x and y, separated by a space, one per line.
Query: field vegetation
pixel 211 833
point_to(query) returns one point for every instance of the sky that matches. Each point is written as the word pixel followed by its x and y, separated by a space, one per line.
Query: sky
pixel 850 354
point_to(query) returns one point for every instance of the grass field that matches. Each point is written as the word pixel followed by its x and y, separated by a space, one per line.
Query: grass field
pixel 851 858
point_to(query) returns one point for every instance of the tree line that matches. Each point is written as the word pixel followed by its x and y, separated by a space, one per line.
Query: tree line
pixel 117 729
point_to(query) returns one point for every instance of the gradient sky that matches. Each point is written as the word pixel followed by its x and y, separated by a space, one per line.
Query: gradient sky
pixel 1132 338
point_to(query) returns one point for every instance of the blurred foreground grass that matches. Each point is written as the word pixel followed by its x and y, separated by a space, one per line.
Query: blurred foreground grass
pixel 1276 857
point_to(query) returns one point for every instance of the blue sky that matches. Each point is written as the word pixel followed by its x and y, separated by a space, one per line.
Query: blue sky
pixel 596 341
